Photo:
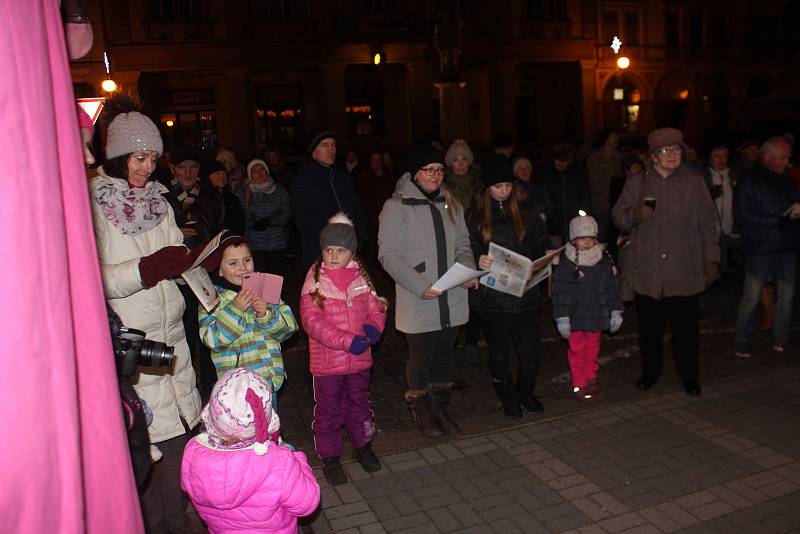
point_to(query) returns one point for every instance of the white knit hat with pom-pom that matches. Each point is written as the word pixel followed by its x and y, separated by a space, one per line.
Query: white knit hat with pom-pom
pixel 582 226
pixel 239 413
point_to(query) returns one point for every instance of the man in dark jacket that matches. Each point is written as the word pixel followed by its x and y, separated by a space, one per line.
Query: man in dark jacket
pixel 320 191
pixel 568 189
pixel 766 210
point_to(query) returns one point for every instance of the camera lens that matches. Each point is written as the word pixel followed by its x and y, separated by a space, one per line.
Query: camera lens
pixel 156 354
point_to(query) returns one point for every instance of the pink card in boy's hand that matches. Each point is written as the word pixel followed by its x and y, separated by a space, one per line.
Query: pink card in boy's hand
pixel 265 285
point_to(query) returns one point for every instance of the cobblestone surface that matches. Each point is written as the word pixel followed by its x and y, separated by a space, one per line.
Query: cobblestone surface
pixel 660 463
pixel 633 462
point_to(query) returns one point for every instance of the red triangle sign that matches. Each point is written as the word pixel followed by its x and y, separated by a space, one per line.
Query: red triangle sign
pixel 92 106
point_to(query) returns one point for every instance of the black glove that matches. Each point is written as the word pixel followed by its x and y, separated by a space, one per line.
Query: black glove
pixel 261 224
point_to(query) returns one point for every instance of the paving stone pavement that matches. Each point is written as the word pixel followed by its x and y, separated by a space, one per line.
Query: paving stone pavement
pixel 630 461
pixel 728 461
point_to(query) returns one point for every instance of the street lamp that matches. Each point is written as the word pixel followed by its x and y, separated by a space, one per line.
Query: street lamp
pixel 108 85
pixel 378 57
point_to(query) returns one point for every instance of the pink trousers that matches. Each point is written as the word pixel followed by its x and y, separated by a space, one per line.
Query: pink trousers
pixel 582 355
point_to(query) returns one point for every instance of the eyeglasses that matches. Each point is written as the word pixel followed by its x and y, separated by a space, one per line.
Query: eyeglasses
pixel 669 150
pixel 432 171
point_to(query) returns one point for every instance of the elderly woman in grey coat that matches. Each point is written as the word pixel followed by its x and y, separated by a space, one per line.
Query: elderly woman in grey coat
pixel 422 234
pixel 675 238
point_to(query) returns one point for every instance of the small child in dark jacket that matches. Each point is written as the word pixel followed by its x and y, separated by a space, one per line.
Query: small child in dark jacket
pixel 586 301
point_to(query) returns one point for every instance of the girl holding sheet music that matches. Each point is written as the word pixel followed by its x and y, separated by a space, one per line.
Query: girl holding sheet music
pixel 243 330
pixel 500 215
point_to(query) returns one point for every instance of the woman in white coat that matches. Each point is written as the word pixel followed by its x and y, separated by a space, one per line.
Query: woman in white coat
pixel 141 251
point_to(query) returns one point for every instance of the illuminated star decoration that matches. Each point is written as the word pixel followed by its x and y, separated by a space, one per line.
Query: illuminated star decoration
pixel 616 44
pixel 108 66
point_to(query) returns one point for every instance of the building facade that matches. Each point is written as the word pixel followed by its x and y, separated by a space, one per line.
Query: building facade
pixel 254 73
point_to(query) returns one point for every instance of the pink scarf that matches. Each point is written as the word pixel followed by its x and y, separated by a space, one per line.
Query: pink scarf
pixel 341 278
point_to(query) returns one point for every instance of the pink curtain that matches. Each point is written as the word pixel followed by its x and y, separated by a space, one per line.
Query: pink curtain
pixel 64 462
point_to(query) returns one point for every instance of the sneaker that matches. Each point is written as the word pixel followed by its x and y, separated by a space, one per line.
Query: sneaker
pixel 779 347
pixel 742 351
pixel 366 457
pixel 593 388
pixel 581 393
pixel 333 471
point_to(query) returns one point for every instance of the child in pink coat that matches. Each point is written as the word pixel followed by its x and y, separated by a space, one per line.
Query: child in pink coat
pixel 237 475
pixel 343 317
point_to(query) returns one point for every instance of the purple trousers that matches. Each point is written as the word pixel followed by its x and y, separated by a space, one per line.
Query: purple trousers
pixel 341 400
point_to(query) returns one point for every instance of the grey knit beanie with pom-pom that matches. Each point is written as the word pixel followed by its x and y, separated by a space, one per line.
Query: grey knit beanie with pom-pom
pixel 339 233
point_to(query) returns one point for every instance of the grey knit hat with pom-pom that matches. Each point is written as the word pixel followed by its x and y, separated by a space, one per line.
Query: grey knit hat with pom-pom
pixel 339 233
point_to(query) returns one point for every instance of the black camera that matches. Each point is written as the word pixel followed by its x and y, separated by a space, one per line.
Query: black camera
pixel 131 349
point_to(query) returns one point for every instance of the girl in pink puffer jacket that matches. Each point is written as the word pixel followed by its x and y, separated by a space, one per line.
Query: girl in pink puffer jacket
pixel 343 317
pixel 239 477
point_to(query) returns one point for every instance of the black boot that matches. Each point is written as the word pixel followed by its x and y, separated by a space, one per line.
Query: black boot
pixel 366 457
pixel 440 402
pixel 508 396
pixel 528 399
pixel 333 471
pixel 420 409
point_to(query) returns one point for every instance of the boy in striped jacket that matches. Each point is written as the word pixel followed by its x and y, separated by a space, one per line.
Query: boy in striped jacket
pixel 243 330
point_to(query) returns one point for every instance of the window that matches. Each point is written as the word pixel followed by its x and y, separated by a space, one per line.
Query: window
pixel 671 29
pixel 195 128
pixel 177 11
pixel 370 6
pixel 621 108
pixel 718 30
pixel 364 108
pixel 527 119
pixel 611 26
pixel 631 120
pixel 283 10
pixel 364 101
pixel 436 113
pixel 279 118
pixel 695 29
pixel 631 28
pixel 546 10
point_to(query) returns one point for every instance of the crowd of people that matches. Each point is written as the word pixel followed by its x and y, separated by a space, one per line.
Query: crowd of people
pixel 651 226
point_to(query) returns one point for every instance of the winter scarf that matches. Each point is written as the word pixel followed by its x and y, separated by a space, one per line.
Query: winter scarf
pixel 584 258
pixel 134 210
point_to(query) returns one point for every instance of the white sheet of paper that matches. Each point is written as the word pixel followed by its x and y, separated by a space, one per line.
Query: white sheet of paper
pixel 200 283
pixel 455 276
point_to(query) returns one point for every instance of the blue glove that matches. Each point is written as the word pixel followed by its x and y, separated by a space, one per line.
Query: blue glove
pixel 562 323
pixel 359 345
pixel 372 333
pixel 615 323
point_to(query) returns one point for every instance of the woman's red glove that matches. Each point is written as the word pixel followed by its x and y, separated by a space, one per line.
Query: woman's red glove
pixel 164 264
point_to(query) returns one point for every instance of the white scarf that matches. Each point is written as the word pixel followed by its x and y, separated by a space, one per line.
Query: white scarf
pixel 134 210
pixel 267 187
pixel 724 202
pixel 584 258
